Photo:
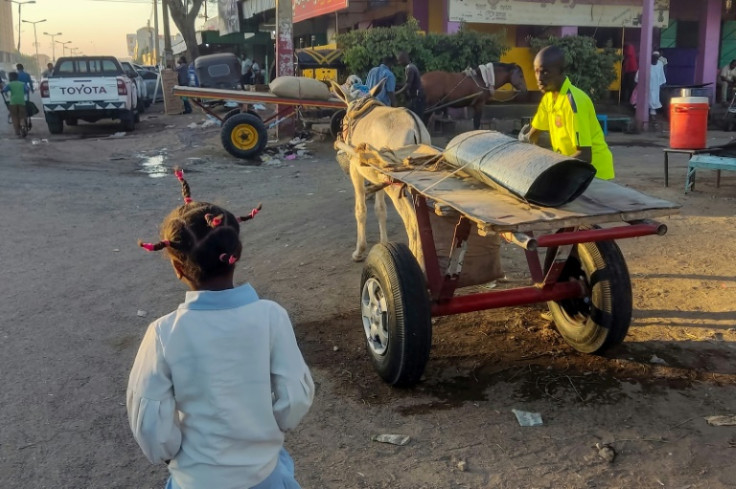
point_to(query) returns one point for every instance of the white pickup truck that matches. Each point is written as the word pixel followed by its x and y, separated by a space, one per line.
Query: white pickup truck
pixel 89 88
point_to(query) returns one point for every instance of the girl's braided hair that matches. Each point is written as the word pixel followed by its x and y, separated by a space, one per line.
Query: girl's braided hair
pixel 204 238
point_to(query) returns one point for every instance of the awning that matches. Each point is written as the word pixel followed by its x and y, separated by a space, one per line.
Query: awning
pixel 253 7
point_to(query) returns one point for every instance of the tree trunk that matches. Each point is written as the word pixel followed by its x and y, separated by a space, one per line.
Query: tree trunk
pixel 184 21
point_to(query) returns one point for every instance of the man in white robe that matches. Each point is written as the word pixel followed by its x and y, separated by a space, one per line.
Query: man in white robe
pixel 656 80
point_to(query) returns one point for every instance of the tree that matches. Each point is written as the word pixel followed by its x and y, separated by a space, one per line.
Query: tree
pixel 364 48
pixel 589 68
pixel 184 20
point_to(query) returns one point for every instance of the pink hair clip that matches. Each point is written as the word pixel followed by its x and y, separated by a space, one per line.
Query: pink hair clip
pixel 251 215
pixel 229 260
pixel 155 246
pixel 213 221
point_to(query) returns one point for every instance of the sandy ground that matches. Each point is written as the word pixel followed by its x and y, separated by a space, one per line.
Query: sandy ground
pixel 72 208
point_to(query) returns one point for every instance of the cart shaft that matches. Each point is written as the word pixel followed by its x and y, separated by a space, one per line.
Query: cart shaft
pixel 507 298
pixel 641 228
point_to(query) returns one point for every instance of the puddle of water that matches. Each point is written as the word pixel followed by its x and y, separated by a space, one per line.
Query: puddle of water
pixel 154 167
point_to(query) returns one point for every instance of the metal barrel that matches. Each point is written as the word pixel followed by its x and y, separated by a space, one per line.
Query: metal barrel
pixel 535 174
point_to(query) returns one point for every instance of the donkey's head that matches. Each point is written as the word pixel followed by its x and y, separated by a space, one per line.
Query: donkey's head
pixel 356 106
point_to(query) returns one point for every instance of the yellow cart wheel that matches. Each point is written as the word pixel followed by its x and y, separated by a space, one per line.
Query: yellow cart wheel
pixel 244 135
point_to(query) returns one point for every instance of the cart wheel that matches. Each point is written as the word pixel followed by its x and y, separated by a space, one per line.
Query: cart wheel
pixel 336 123
pixel 127 120
pixel 233 112
pixel 230 114
pixel 72 122
pixel 56 125
pixel 395 308
pixel 600 320
pixel 244 135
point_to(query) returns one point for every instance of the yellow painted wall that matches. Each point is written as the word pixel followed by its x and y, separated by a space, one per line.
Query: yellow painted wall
pixel 523 57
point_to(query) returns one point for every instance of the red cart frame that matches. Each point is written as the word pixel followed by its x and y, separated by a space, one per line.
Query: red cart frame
pixel 584 278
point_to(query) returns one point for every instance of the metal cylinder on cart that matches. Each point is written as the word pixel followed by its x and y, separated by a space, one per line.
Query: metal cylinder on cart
pixel 534 174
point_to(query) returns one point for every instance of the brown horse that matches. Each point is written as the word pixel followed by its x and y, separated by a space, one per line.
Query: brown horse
pixel 467 89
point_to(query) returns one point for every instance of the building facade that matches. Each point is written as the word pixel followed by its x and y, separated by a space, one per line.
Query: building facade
pixel 7 39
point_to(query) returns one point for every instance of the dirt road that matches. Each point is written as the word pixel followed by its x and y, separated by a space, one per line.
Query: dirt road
pixel 78 294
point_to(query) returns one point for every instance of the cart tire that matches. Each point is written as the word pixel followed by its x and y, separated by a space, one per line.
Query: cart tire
pixel 244 135
pixel 236 112
pixel 601 320
pixel 336 123
pixel 55 123
pixel 127 120
pixel 72 122
pixel 396 314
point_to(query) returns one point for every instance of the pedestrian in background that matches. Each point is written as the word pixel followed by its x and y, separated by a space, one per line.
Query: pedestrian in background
pixel 656 80
pixel 48 71
pixel 24 77
pixel 629 67
pixel 415 97
pixel 246 72
pixel 387 95
pixel 17 105
pixel 182 75
pixel 726 77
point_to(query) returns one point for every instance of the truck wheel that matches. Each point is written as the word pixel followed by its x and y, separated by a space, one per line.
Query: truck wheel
pixel 244 135
pixel 72 121
pixel 127 120
pixel 141 107
pixel 56 125
pixel 395 309
pixel 600 320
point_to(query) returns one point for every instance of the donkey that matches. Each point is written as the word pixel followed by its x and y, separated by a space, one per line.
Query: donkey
pixel 369 121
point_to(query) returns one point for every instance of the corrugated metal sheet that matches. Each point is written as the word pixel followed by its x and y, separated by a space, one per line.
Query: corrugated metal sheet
pixel 535 174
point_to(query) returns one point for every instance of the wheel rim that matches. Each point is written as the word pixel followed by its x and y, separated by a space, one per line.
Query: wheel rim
pixel 375 316
pixel 244 137
pixel 576 310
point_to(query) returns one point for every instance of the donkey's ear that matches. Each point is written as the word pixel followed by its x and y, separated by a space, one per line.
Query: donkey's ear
pixel 337 90
pixel 377 89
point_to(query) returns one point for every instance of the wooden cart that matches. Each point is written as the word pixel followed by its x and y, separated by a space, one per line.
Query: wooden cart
pixel 244 133
pixel 582 275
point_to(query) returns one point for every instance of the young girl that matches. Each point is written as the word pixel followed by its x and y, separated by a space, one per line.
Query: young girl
pixel 217 382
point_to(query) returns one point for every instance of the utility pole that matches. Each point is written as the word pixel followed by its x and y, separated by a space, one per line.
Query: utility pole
pixel 168 53
pixel 53 43
pixel 285 52
pixel 35 39
pixel 63 47
pixel 155 33
pixel 20 4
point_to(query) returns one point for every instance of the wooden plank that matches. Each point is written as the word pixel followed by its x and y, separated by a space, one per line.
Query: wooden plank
pixel 496 210
pixel 254 97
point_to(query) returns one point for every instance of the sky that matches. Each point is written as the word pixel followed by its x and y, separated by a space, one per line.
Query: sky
pixel 94 27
